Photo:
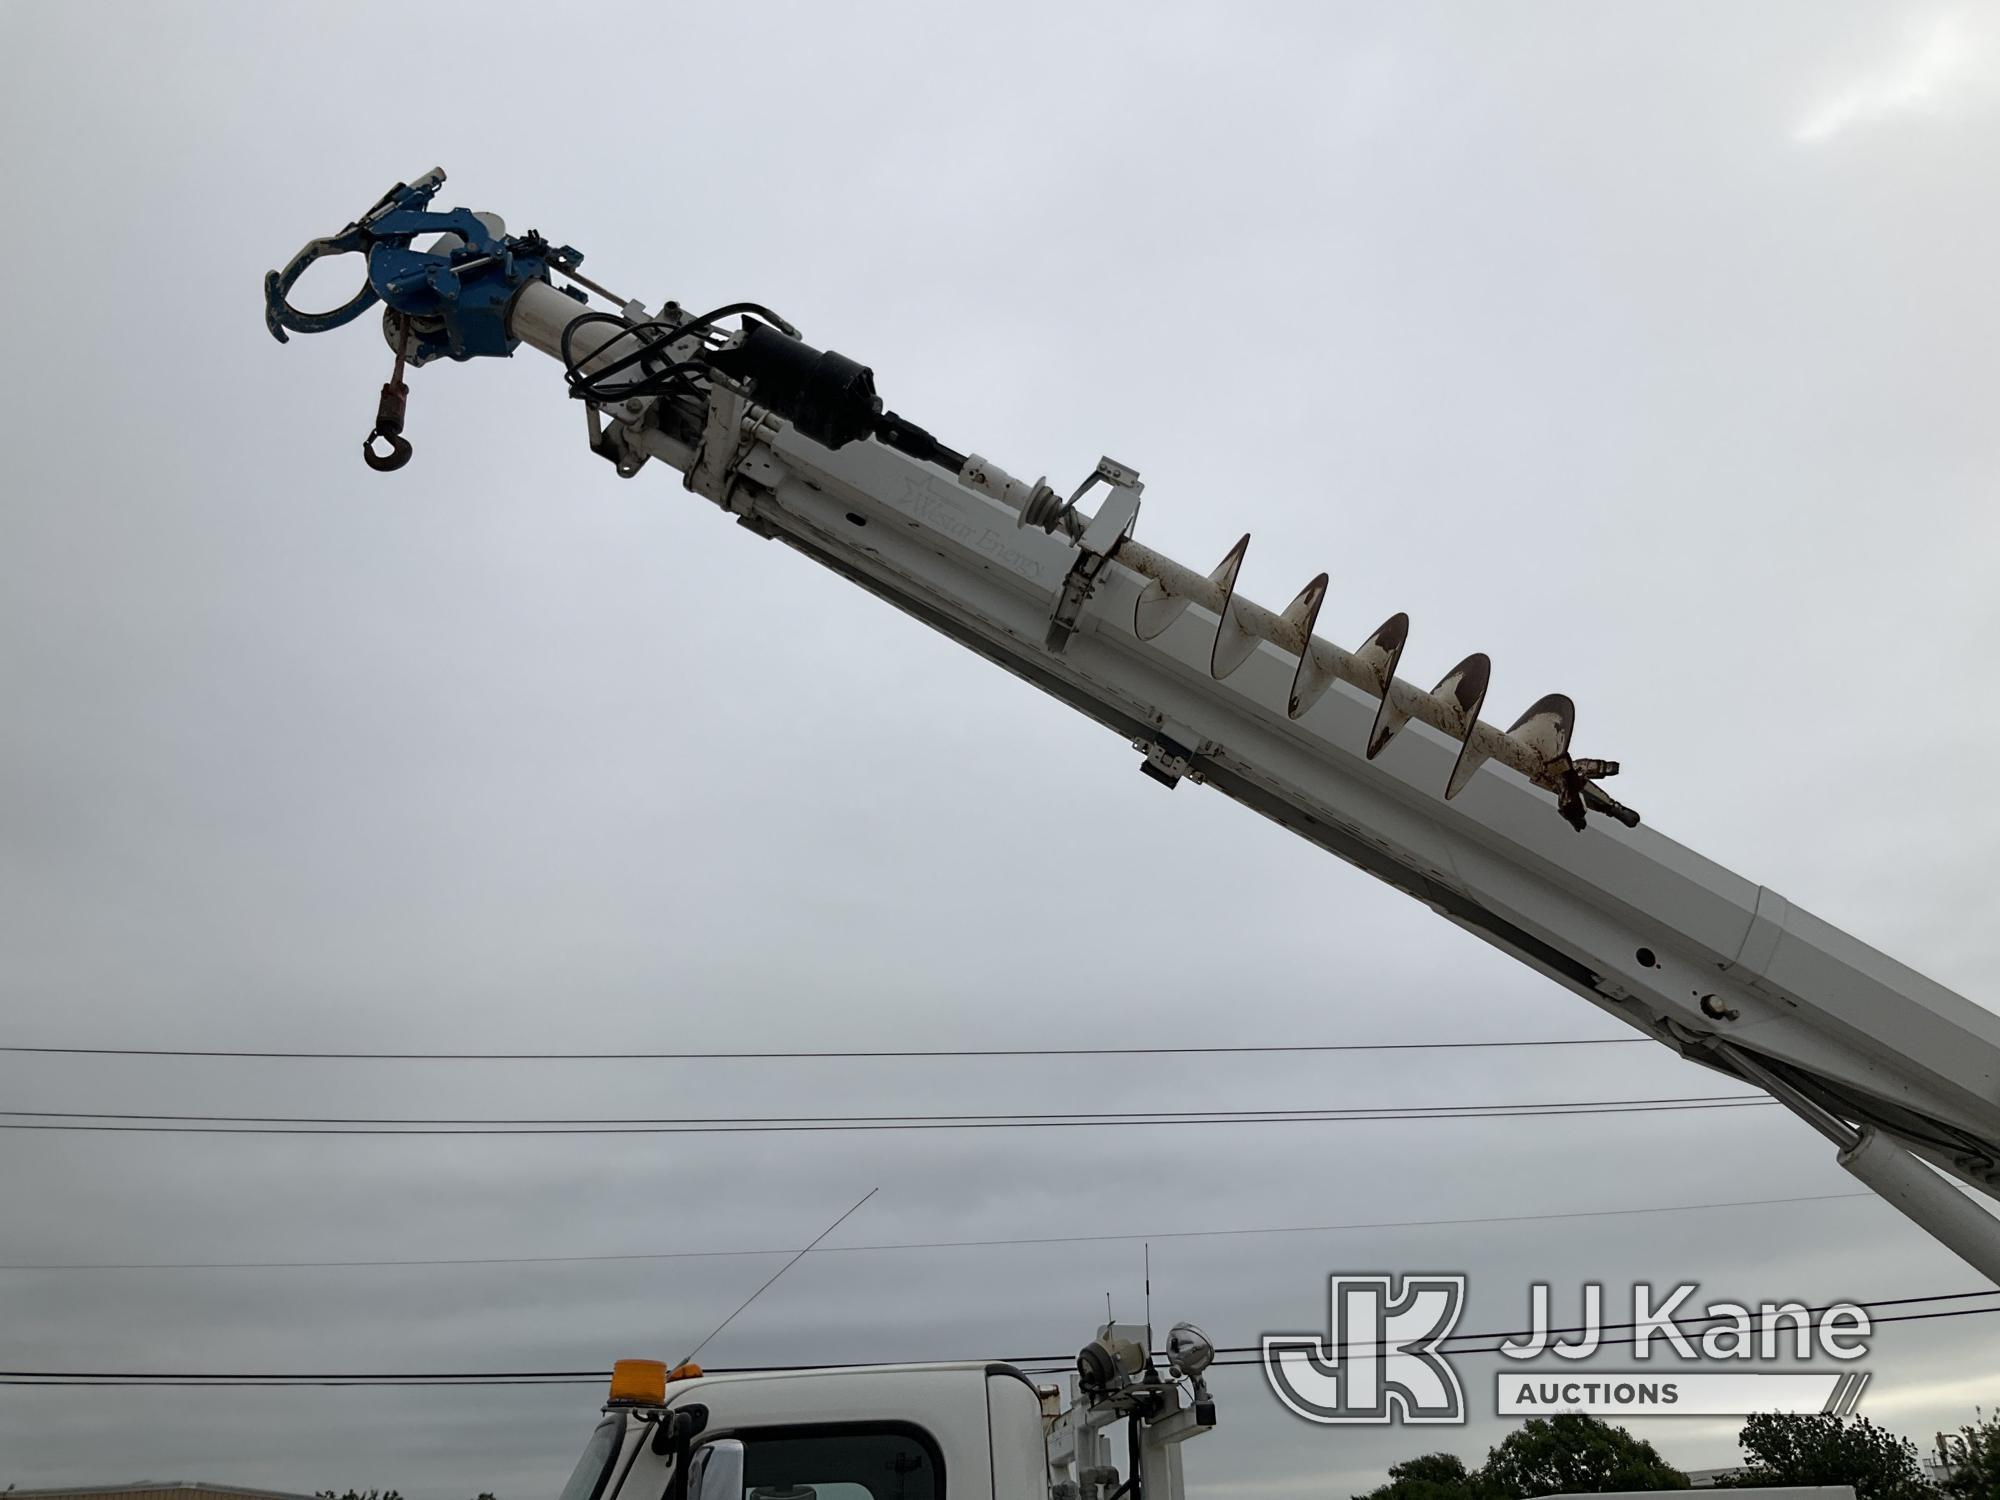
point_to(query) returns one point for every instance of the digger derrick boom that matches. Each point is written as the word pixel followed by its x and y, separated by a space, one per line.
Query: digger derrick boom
pixel 1410 785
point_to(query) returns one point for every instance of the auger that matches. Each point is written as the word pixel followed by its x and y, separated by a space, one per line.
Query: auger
pixel 1901 1074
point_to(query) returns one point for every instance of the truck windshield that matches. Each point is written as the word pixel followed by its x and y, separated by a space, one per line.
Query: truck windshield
pixel 841 1463
pixel 586 1481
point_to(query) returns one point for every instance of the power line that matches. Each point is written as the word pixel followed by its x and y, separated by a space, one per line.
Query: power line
pixel 335 1382
pixel 1314 1111
pixel 1058 1239
pixel 1686 1325
pixel 198 1380
pixel 808 1056
pixel 755 1125
pixel 1250 1357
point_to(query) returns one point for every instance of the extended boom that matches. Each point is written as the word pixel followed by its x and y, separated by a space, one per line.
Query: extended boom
pixel 1410 785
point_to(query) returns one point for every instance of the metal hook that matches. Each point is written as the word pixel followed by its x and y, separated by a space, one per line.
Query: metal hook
pixel 395 458
pixel 389 413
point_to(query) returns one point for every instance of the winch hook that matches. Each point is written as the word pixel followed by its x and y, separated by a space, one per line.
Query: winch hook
pixel 389 412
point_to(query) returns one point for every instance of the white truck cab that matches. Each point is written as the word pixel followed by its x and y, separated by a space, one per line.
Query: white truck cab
pixel 967 1431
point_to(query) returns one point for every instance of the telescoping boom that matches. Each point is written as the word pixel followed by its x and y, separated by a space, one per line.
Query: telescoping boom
pixel 1504 832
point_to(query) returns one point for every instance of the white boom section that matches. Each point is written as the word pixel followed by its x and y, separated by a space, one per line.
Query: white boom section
pixel 1882 1060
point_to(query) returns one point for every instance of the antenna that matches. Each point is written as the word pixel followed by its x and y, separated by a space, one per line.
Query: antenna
pixel 1149 1295
pixel 776 1274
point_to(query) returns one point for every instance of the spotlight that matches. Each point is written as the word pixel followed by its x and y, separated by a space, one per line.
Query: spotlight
pixel 1189 1350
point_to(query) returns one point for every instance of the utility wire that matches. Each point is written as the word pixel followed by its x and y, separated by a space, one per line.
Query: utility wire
pixel 202 1380
pixel 1239 1357
pixel 1526 1370
pixel 1059 1239
pixel 806 1056
pixel 1312 1111
pixel 1686 1324
pixel 754 1125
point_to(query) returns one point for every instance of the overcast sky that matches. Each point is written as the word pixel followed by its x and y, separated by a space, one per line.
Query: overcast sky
pixel 1650 350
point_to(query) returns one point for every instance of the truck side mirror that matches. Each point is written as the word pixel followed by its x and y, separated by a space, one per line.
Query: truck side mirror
pixel 715 1471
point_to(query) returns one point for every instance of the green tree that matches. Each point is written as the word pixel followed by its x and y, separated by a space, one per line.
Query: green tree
pixel 1974 1454
pixel 1573 1453
pixel 1807 1448
pixel 1434 1476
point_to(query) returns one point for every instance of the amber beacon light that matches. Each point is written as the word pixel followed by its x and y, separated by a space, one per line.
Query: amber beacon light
pixel 638 1382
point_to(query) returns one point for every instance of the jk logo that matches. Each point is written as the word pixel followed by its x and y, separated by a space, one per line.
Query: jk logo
pixel 1380 1362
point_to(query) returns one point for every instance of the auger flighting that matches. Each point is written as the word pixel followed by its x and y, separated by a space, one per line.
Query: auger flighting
pixel 1898 1072
pixel 1537 745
